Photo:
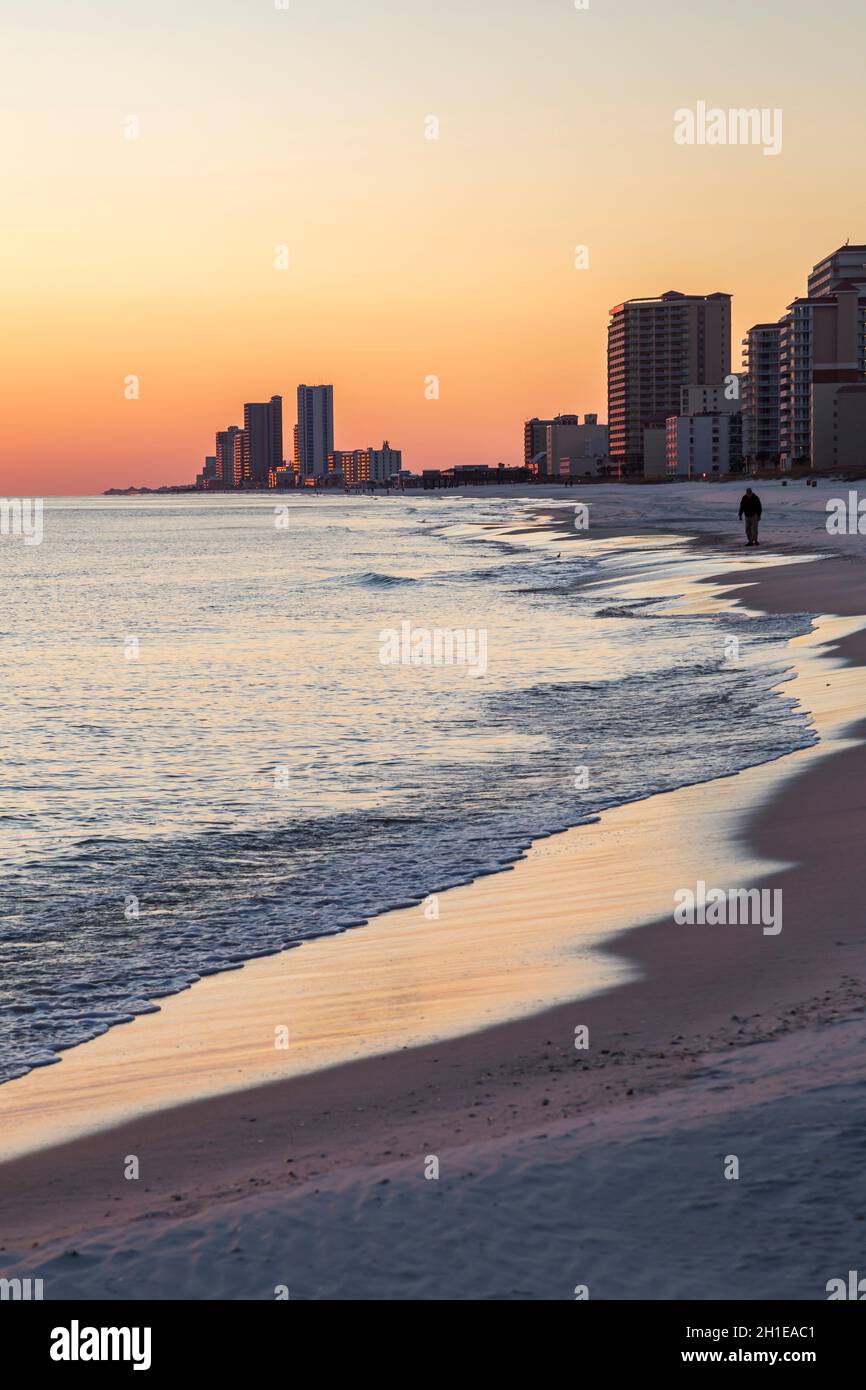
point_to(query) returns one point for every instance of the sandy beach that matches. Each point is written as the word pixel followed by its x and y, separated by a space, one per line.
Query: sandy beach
pixel 432 1130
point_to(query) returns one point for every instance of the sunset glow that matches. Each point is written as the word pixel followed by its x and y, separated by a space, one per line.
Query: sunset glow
pixel 408 256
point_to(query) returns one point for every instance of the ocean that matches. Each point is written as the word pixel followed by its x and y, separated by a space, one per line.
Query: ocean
pixel 214 749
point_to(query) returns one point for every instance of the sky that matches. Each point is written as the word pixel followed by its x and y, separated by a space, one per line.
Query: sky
pixel 307 127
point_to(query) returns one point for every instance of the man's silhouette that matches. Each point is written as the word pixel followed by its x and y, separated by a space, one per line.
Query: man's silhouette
pixel 750 508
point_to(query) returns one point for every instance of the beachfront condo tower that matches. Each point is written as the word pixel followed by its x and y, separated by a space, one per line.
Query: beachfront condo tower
pixel 225 456
pixel 761 395
pixel 263 441
pixel 655 346
pixel 822 367
pixel 315 430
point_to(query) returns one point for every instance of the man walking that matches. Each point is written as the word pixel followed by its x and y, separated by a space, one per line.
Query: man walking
pixel 750 508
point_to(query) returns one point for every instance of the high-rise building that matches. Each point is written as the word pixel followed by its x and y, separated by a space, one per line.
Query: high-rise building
pixel 795 384
pixel 225 456
pixel 847 263
pixel 655 346
pixel 761 395
pixel 315 430
pixel 238 451
pixel 263 441
pixel 815 349
pixel 838 363
pixel 822 348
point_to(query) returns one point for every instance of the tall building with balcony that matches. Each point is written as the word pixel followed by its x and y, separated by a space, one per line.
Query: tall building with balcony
pixel 656 346
pixel 238 461
pixel 795 384
pixel 225 456
pixel 761 347
pixel 263 441
pixel 838 375
pixel 847 263
pixel 822 348
pixel 315 439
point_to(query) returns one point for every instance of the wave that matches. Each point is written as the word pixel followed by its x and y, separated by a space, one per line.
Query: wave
pixel 392 796
pixel 373 580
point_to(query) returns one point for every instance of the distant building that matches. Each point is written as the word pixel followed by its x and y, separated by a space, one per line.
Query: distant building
pixel 761 395
pixel 847 263
pixel 225 457
pixel 356 466
pixel 207 478
pixel 473 474
pixel 822 346
pixel 793 413
pixel 575 449
pixel 263 441
pixel 540 462
pixel 656 346
pixel 535 444
pixel 238 458
pixel 315 434
pixel 704 446
pixel 702 450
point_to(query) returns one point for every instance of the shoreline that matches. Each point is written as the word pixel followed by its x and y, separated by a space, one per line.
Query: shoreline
pixel 391 956
pixel 504 1081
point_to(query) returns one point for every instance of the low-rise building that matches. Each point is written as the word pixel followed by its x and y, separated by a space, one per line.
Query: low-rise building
pixel 704 446
pixel 358 466
pixel 535 444
pixel 576 450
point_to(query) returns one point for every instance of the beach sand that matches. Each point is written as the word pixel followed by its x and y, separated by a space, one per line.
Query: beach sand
pixel 557 1166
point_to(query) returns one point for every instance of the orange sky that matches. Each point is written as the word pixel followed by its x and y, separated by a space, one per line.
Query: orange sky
pixel 408 256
